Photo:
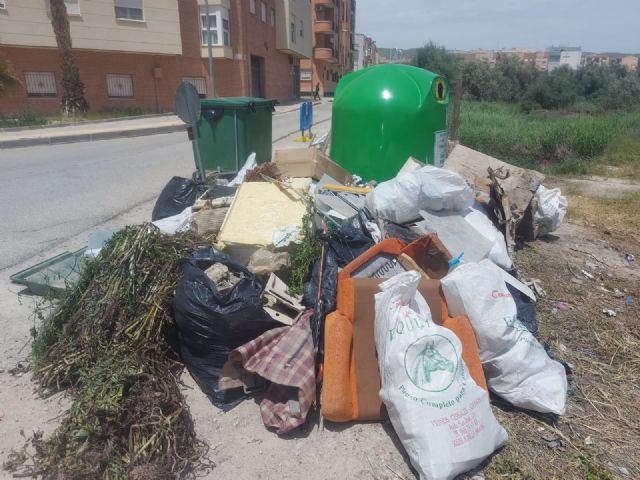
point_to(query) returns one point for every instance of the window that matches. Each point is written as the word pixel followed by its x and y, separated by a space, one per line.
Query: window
pixel 263 12
pixel 305 74
pixel 73 7
pixel 252 6
pixel 119 86
pixel 3 4
pixel 301 28
pixel 199 83
pixel 293 29
pixel 129 10
pixel 40 84
pixel 273 17
pixel 219 24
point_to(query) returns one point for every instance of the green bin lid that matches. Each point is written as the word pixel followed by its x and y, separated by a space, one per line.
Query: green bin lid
pixel 239 103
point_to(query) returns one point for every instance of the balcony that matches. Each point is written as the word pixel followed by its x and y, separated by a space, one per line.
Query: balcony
pixel 324 3
pixel 325 54
pixel 324 27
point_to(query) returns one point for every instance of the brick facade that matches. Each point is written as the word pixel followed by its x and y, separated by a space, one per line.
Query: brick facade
pixel 156 77
pixel 325 73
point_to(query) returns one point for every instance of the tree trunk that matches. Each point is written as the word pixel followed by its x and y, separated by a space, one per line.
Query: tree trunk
pixel 73 100
pixel 7 80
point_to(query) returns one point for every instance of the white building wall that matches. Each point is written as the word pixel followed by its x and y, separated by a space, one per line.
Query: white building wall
pixel 27 23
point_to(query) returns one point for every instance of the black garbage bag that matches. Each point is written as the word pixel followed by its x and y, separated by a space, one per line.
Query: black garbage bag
pixel 329 287
pixel 350 240
pixel 212 322
pixel 177 195
pixel 526 309
pixel 401 232
pixel 341 246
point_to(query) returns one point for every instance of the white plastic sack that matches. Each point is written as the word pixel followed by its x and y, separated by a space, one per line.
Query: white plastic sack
pixel 479 220
pixel 176 224
pixel 442 417
pixel 430 188
pixel 516 366
pixel 249 165
pixel 469 231
pixel 552 207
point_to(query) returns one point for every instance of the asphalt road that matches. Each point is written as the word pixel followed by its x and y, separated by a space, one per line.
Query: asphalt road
pixel 49 194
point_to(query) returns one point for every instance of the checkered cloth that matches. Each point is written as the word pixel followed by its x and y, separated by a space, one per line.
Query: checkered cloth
pixel 285 357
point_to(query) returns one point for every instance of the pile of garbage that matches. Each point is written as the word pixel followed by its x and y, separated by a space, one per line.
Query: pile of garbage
pixel 300 284
pixel 369 301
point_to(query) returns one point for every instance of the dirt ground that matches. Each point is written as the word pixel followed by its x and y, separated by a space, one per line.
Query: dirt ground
pixel 584 268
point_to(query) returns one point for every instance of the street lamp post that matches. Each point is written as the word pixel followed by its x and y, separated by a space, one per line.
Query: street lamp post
pixel 211 77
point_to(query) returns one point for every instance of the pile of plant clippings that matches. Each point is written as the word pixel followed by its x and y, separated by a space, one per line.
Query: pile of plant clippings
pixel 109 343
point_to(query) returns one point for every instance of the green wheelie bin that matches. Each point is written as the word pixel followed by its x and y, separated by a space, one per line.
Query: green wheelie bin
pixel 231 128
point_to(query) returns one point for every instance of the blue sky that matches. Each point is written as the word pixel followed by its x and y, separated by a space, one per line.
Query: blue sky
pixel 599 26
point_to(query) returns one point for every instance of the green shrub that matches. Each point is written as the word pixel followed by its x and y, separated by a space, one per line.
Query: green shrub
pixel 21 119
pixel 603 87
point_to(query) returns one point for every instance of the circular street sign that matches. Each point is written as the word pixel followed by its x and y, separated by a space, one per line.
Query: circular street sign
pixel 187 103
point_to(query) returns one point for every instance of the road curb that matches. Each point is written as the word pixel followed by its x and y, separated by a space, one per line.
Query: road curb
pixel 53 139
pixel 90 137
pixel 86 122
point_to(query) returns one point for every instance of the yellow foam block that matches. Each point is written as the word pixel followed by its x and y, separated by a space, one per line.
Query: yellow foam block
pixel 258 210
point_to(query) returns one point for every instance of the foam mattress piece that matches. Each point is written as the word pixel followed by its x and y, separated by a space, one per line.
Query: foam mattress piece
pixel 257 211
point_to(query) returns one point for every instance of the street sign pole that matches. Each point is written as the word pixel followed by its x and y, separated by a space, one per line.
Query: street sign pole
pixel 188 110
pixel 196 152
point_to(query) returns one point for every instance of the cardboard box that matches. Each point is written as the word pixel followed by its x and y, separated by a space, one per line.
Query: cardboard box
pixel 309 162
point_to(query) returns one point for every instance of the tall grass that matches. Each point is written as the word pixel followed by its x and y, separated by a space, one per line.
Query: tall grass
pixel 566 143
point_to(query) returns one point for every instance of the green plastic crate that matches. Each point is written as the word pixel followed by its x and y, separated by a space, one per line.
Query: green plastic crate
pixel 54 275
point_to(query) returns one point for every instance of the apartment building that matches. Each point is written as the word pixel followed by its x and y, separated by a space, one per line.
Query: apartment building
pixel 542 61
pixel 630 62
pixel 596 59
pixel 132 53
pixel 520 53
pixel 560 56
pixel 365 52
pixel 358 51
pixel 488 56
pixel 333 45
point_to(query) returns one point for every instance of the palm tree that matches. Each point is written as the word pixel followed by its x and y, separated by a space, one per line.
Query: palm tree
pixel 73 100
pixel 6 76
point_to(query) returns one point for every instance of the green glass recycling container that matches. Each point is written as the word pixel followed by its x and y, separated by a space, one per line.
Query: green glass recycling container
pixel 384 114
pixel 231 128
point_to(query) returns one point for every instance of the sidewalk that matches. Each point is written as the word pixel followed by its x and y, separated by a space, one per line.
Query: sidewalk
pixel 82 132
pixel 102 130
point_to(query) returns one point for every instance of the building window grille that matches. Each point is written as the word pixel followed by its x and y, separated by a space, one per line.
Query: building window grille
pixel 199 84
pixel 119 86
pixel 40 84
